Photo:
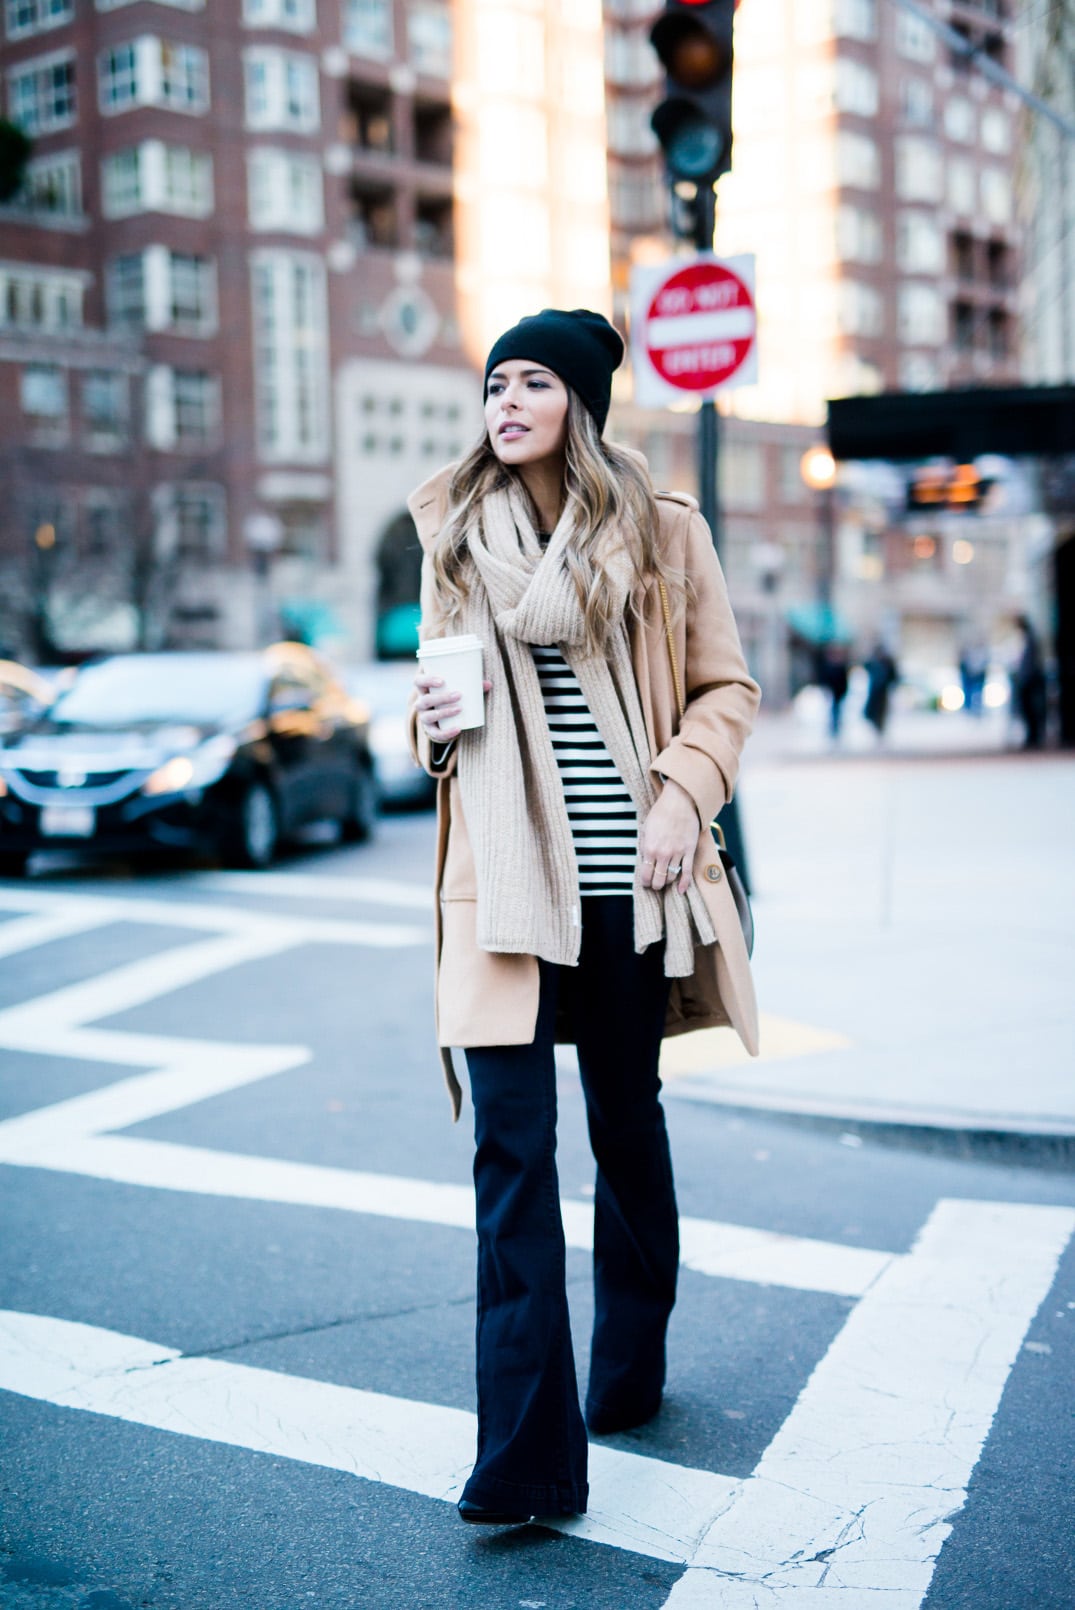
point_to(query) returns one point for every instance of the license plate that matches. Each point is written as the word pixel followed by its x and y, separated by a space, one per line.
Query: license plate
pixel 68 821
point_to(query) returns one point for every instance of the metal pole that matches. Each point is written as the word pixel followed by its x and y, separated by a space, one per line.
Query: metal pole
pixel 705 222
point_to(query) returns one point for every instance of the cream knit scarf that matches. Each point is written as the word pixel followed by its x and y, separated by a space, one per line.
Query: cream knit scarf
pixel 513 799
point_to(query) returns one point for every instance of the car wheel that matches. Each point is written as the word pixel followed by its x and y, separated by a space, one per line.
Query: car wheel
pixel 12 864
pixel 359 822
pixel 253 835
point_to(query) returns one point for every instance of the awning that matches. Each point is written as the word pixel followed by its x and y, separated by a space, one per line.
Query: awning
pixel 819 623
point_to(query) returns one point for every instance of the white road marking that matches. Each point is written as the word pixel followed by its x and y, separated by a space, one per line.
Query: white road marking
pixel 73 1136
pixel 853 1498
pixel 648 1506
pixel 309 886
pixel 215 918
pixel 24 933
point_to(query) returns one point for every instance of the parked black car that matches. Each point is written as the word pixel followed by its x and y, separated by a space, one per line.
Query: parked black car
pixel 227 753
pixel 23 695
pixel 385 687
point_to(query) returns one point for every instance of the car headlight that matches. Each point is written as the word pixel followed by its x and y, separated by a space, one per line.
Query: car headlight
pixel 201 767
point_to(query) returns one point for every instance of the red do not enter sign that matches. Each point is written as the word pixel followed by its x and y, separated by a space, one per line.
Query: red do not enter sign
pixel 700 326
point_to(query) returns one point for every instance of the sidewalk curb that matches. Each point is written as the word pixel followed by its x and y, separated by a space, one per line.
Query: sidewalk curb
pixel 1019 1139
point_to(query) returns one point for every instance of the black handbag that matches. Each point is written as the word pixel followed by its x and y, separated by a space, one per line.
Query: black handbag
pixel 731 871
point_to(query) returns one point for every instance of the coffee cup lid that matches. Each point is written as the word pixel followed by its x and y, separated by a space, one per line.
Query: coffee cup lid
pixel 448 645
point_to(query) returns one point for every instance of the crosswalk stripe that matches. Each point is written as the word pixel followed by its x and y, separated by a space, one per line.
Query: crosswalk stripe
pixel 854 1496
pixel 309 885
pixel 648 1506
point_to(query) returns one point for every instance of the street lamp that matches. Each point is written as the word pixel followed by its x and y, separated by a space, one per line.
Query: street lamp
pixel 263 533
pixel 818 469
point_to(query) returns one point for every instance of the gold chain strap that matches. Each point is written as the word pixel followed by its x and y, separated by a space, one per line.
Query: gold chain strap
pixel 681 703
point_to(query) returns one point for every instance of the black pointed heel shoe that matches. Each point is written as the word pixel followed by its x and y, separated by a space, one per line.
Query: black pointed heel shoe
pixel 478 1515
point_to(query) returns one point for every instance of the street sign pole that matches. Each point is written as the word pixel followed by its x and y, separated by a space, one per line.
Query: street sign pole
pixel 705 221
pixel 708 418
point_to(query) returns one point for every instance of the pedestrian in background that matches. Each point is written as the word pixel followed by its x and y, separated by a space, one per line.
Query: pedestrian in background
pixel 882 675
pixel 833 676
pixel 1028 685
pixel 579 895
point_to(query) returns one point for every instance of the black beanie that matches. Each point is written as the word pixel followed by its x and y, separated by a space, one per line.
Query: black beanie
pixel 581 347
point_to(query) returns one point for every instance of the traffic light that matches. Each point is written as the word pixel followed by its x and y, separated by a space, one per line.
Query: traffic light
pixel 693 39
pixel 947 486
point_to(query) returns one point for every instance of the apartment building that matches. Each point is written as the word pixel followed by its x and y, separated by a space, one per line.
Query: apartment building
pixel 227 310
pixel 873 179
pixel 259 253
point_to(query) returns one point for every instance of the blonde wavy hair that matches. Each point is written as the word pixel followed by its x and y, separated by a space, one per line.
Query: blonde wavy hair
pixel 616 507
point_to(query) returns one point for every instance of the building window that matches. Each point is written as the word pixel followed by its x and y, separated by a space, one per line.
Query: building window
pixel 630 59
pixel 43 392
pixel 962 187
pixel 629 131
pixel 858 160
pixel 921 316
pixel 636 199
pixel 191 520
pixel 25 17
pixel 192 294
pixel 855 19
pixel 964 255
pixel 41 93
pixel 996 196
pixel 999 331
pixel 281 91
pixel 963 323
pixel 916 102
pixel 996 131
pixel 285 192
pixel 919 372
pixel 919 169
pixel 860 309
pixel 998 261
pixel 290 356
pixel 104 407
pixel 53 186
pixel 742 477
pixel 126 292
pixel 374 221
pixel 433 232
pixel 153 72
pixel 856 88
pixel 367 27
pixel 296 16
pixel 959 120
pixel 39 298
pixel 914 38
pixel 183 407
pixel 154 177
pixel 858 235
pixel 433 133
pixel 919 243
pixel 371 110
pixel 104 519
pixel 429 37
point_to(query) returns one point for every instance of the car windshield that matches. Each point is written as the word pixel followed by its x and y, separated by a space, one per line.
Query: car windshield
pixel 201 689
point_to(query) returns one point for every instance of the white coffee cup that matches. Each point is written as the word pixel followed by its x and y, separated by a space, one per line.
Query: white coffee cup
pixel 458 662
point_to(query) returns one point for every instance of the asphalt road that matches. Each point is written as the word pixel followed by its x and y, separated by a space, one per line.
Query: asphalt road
pixel 237 1282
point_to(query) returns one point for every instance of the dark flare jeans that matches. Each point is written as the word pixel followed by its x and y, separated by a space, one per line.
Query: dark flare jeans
pixel 531 1437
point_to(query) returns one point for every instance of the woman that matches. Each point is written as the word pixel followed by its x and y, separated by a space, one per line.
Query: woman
pixel 579 895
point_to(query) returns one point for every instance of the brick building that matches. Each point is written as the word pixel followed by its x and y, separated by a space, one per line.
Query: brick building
pixel 228 277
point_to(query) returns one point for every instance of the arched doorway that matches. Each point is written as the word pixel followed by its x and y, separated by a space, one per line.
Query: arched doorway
pixel 399 576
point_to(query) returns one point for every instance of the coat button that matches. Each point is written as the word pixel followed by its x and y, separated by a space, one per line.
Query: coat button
pixel 714 872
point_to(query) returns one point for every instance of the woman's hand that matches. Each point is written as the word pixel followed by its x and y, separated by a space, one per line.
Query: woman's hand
pixel 669 839
pixel 438 707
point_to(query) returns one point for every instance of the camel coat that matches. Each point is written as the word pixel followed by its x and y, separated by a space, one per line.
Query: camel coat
pixel 485 998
